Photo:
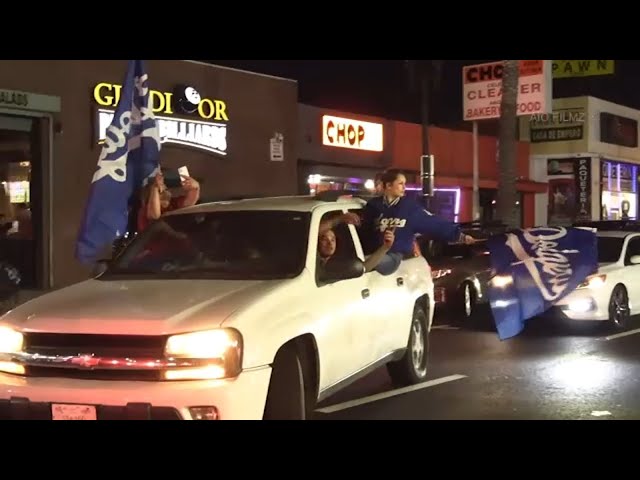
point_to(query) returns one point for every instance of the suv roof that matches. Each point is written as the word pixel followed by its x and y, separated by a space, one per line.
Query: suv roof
pixel 298 203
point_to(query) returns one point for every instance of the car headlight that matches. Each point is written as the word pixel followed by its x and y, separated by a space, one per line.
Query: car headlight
pixel 220 352
pixel 595 281
pixel 11 341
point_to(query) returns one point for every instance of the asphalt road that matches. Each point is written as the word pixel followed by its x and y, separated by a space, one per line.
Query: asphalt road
pixel 550 371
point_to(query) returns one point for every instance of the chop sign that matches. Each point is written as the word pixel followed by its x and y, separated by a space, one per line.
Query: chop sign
pixel 348 133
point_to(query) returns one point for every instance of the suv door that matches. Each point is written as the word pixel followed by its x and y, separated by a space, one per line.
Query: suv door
pixel 390 310
pixel 343 312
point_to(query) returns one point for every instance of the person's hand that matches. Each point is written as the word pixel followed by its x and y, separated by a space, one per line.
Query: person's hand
pixel 388 238
pixel 467 239
pixel 159 181
pixel 189 183
pixel 351 218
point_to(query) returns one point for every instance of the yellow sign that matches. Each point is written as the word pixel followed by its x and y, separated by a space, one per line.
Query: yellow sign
pixel 581 68
pixel 108 95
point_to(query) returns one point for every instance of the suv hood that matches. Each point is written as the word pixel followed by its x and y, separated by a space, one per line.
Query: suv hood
pixel 136 307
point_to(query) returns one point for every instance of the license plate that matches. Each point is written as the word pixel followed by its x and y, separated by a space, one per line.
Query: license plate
pixel 73 412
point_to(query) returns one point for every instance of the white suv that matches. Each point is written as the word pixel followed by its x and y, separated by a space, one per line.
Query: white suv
pixel 217 312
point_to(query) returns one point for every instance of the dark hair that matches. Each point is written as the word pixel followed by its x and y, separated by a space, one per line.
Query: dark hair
pixel 378 177
pixel 390 176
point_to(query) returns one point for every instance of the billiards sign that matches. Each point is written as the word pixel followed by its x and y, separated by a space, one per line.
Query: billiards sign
pixel 205 130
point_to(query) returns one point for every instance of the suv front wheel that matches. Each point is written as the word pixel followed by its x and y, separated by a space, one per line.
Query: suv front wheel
pixel 412 367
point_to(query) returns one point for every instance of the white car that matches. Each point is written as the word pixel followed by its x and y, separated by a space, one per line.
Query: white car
pixel 613 294
pixel 216 312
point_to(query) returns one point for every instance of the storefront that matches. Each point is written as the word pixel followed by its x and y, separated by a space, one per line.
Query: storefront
pixel 341 151
pixel 453 172
pixel 588 151
pixel 235 132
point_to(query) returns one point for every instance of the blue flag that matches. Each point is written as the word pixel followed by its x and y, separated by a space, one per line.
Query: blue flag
pixel 129 156
pixel 535 268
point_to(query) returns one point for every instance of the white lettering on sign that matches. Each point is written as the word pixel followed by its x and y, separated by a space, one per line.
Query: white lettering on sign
pixel 208 136
pixel 349 133
pixel 482 89
pixel 549 267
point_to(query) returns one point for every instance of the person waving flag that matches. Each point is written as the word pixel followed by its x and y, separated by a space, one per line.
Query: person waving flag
pixel 129 157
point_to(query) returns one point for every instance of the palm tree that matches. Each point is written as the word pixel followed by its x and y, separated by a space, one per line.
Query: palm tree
pixel 507 209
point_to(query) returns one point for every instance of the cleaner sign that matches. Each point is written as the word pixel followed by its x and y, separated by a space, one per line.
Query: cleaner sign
pixel 482 89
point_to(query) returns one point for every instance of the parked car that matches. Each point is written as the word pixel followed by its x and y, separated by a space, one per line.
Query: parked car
pixel 218 311
pixel 612 295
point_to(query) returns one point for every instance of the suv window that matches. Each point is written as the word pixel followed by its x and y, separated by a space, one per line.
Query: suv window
pixel 344 246
pixel 366 242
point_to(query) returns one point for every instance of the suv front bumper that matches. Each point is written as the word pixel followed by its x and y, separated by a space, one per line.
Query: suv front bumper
pixel 241 398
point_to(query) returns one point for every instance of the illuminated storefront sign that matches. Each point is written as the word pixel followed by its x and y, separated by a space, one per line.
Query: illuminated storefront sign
pixel 205 133
pixel 349 133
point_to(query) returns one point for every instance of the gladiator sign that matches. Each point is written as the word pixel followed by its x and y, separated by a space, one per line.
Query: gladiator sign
pixel 482 89
pixel 205 132
pixel 349 133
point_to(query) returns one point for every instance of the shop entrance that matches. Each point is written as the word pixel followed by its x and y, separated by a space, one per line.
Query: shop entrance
pixel 21 198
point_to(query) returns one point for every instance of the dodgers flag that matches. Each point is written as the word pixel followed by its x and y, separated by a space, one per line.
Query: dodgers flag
pixel 535 268
pixel 129 156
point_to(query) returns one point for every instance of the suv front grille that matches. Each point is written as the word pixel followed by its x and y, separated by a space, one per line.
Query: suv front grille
pixel 94 345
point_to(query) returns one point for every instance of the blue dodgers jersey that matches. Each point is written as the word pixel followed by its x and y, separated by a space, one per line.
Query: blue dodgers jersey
pixel 408 218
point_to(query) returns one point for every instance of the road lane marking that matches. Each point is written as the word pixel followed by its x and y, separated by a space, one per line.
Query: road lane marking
pixel 444 327
pixel 391 393
pixel 623 334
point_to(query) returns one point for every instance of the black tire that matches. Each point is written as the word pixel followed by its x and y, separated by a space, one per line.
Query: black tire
pixel 619 311
pixel 412 368
pixel 286 398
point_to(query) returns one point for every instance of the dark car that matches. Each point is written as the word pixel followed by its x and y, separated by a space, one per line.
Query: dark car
pixel 460 274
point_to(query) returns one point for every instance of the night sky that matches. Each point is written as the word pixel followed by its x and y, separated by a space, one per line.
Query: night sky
pixel 380 88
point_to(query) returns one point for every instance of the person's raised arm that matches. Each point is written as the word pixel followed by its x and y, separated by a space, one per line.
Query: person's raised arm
pixel 437 228
pixel 348 218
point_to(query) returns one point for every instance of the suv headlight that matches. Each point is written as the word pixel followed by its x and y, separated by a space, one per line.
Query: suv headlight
pixel 11 341
pixel 220 352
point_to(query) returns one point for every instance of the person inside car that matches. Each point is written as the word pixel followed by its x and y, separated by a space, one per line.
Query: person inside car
pixel 327 242
pixel 407 218
pixel 157 199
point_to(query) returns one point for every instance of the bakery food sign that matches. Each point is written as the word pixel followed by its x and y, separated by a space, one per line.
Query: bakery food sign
pixel 482 89
pixel 205 130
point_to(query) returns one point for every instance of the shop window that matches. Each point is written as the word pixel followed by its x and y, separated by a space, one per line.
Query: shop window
pixel 619 186
pixel 18 221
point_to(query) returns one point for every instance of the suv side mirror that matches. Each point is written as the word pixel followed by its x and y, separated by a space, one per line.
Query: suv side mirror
pixel 337 270
pixel 634 260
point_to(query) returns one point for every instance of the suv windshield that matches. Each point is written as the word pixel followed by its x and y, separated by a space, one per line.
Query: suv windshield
pixel 609 249
pixel 229 245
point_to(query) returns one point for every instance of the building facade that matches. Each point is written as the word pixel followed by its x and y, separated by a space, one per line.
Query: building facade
pixel 587 150
pixel 453 171
pixel 338 150
pixel 235 132
pixel 341 150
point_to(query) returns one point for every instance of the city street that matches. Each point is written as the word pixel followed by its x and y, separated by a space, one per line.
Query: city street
pixel 547 372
